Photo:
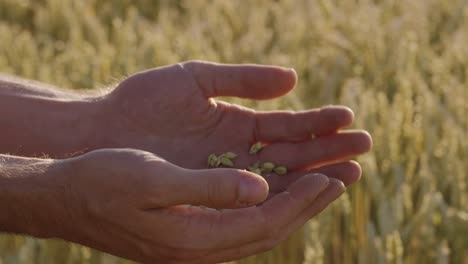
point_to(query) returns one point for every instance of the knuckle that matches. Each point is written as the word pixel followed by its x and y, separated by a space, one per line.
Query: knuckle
pixel 216 191
pixel 200 71
pixel 211 192
pixel 193 67
pixel 192 63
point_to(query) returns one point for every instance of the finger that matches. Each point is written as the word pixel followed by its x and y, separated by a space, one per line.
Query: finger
pixel 294 126
pixel 243 80
pixel 279 211
pixel 319 151
pixel 236 227
pixel 349 172
pixel 215 188
pixel 333 191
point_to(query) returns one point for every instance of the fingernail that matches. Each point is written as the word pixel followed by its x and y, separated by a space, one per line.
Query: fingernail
pixel 293 71
pixel 341 185
pixel 251 190
pixel 321 180
pixel 288 69
pixel 337 188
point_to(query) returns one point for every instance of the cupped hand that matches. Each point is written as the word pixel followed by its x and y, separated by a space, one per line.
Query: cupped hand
pixel 136 205
pixel 171 111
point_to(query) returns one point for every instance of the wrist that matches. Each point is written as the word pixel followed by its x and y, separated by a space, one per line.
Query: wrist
pixel 88 120
pixel 40 120
pixel 55 127
pixel 31 197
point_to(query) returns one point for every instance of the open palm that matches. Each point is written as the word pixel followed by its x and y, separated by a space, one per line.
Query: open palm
pixel 170 111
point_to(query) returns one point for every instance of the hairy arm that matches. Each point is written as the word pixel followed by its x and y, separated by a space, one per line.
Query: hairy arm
pixel 14 84
pixel 38 119
pixel 29 197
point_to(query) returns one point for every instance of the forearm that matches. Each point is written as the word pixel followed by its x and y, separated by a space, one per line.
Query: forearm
pixel 13 84
pixel 30 201
pixel 37 120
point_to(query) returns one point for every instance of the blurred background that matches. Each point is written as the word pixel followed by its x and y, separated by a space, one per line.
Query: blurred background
pixel 402 66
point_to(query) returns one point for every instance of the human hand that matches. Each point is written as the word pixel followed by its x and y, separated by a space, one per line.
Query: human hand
pixel 101 187
pixel 136 205
pixel 170 111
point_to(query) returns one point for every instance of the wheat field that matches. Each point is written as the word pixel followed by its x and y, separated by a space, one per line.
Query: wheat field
pixel 402 66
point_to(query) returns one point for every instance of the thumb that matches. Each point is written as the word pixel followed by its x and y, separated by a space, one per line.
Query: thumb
pixel 217 188
pixel 241 80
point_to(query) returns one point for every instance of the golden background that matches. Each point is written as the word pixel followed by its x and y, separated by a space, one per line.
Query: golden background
pixel 401 65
